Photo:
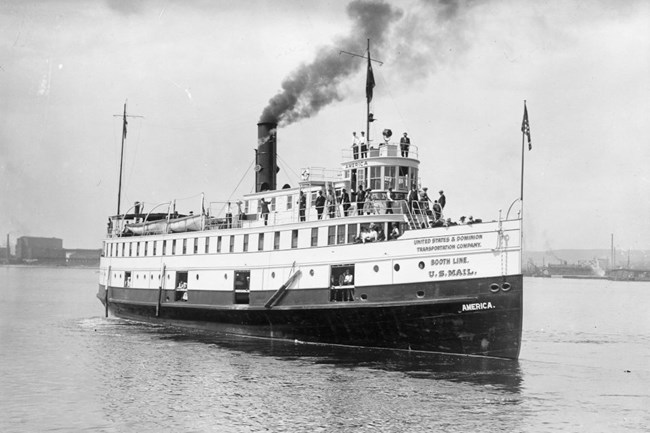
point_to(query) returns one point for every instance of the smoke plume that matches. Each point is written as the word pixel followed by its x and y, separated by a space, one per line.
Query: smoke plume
pixel 412 45
pixel 312 86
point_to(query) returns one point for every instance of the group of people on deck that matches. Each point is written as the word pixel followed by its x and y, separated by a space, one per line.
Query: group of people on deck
pixel 360 145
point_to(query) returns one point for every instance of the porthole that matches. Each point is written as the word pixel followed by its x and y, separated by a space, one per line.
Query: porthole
pixel 363 297
pixel 375 268
pixel 225 276
pixel 168 276
pixel 420 294
pixel 494 287
pixel 272 274
pixel 137 277
pixel 197 276
pixel 421 265
pixel 505 287
pixel 396 267
pixel 311 272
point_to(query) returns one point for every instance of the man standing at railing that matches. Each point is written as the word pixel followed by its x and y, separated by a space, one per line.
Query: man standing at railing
pixel 404 144
pixel 361 198
pixel 364 145
pixel 355 145
pixel 302 205
pixel 228 216
pixel 265 211
pixel 389 201
pixel 345 201
pixel 320 204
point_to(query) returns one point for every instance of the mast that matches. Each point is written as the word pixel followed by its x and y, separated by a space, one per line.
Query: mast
pixel 119 188
pixel 124 125
pixel 370 84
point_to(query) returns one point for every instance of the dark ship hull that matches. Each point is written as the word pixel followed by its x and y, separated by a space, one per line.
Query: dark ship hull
pixel 473 321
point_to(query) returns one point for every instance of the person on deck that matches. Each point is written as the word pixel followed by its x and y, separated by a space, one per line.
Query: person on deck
pixel 442 199
pixel 355 145
pixel 345 201
pixel 364 145
pixel 302 205
pixel 228 215
pixel 389 201
pixel 404 144
pixel 437 210
pixel 265 210
pixel 361 198
pixel 330 203
pixel 320 204
pixel 413 198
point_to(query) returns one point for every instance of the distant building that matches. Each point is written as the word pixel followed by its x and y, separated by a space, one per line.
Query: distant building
pixel 41 250
pixel 80 257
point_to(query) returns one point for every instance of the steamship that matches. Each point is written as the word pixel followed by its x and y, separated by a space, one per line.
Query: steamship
pixel 379 275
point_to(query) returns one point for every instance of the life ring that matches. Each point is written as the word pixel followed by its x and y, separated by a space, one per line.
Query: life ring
pixel 305 174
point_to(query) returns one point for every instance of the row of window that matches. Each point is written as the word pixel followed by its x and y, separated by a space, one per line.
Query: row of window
pixel 336 235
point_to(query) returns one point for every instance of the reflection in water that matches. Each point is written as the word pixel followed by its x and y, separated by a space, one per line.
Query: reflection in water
pixel 184 379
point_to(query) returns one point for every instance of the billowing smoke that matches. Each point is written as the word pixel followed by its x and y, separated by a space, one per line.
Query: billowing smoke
pixel 312 86
pixel 412 45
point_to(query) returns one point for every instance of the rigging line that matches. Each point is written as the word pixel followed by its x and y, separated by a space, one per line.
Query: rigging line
pixel 390 94
pixel 290 168
pixel 237 187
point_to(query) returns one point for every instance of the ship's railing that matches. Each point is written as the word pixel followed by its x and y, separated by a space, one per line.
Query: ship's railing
pixel 321 173
pixel 377 149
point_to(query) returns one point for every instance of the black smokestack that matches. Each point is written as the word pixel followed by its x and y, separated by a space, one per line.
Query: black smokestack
pixel 312 86
pixel 266 166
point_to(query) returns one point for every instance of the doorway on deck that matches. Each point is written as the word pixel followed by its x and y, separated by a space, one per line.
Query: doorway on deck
pixel 242 287
pixel 342 283
pixel 181 287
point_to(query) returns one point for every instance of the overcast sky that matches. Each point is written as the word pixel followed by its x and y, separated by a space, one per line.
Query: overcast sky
pixel 454 77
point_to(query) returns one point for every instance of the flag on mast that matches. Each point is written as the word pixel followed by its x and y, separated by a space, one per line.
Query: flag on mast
pixel 525 127
pixel 370 80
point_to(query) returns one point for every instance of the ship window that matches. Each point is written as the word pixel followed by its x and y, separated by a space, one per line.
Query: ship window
pixel 375 178
pixel 231 246
pixel 196 245
pixel 396 267
pixel 137 249
pixel 127 279
pixel 342 281
pixel 331 234
pixel 314 236
pixel 130 249
pixel 294 238
pixel 180 291
pixel 276 241
pixel 361 177
pixel 123 248
pixel 154 247
pixel 352 233
pixel 260 242
pixel 421 265
pixel 207 245
pixel 245 243
pixel 402 179
pixel 389 177
pixel 146 245
pixel 173 247
pixel 164 248
pixel 184 246
pixel 289 202
pixel 340 234
pixel 218 244
pixel 272 209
